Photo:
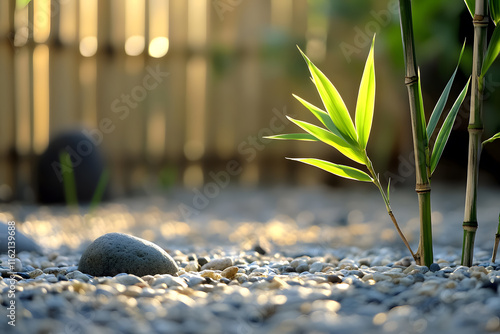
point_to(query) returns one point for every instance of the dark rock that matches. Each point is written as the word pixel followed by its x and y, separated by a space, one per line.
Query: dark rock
pixel 225 280
pixel 491 284
pixel 434 267
pixel 87 163
pixel 203 260
pixel 23 275
pixel 259 249
pixel 302 267
pixel 22 242
pixel 334 279
pixel 418 277
pixel 115 253
pixel 61 277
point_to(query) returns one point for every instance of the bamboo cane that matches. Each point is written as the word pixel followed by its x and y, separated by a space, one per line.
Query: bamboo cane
pixel 420 142
pixel 480 22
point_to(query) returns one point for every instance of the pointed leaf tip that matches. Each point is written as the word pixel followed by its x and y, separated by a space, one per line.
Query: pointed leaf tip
pixel 366 100
pixel 336 169
pixel 492 51
pixel 444 132
pixel 441 103
pixel 334 104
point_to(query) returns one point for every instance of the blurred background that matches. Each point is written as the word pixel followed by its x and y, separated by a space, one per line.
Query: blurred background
pixel 179 92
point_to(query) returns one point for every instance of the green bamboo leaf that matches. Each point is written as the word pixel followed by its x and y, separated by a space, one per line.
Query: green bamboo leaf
pixel 495 137
pixel 444 132
pixel 339 170
pixel 294 136
pixel 420 112
pixel 438 109
pixel 471 5
pixel 495 10
pixel 321 115
pixel 388 190
pixel 331 139
pixel 333 102
pixel 366 100
pixel 492 52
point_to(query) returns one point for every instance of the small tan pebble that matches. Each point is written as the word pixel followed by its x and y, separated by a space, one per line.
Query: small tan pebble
pixel 148 279
pixel 277 283
pixel 35 273
pixel 327 268
pixel 52 256
pixel 46 264
pixel 450 285
pixel 132 291
pixel 218 264
pixel 192 266
pixel 162 285
pixel 241 277
pixel 480 269
pixel 128 279
pixel 212 274
pixel 230 272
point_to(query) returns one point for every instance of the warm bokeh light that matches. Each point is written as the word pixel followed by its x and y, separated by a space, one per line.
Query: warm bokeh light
pixel 88 46
pixel 88 28
pixel 135 24
pixel 134 45
pixel 23 99
pixel 197 23
pixel 41 17
pixel 41 105
pixel 195 107
pixel 158 47
pixel 67 18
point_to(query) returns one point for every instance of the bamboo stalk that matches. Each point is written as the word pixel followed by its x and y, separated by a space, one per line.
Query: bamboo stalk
pixel 420 143
pixel 495 245
pixel 480 22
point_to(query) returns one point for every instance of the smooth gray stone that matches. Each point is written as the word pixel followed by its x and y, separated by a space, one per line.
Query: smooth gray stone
pixel 23 243
pixel 115 253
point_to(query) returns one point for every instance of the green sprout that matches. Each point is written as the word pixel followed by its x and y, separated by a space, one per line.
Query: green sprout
pixel 351 139
pixel 340 132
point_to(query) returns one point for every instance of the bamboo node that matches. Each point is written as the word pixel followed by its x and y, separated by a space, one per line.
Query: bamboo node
pixel 475 128
pixel 411 80
pixel 423 188
pixel 480 20
pixel 470 226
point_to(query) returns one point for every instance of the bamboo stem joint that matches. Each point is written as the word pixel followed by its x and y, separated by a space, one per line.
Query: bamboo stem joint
pixel 411 80
pixel 423 188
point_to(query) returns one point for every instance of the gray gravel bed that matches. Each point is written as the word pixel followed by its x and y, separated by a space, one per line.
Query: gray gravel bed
pixel 281 260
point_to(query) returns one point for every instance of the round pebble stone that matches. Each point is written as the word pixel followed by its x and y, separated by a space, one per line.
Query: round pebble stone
pixel 115 253
pixel 218 264
pixel 434 267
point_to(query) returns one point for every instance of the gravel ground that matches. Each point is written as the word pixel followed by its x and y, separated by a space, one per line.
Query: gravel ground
pixel 281 260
